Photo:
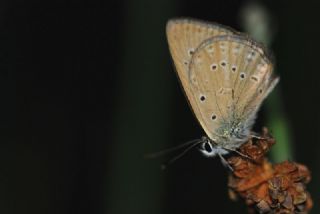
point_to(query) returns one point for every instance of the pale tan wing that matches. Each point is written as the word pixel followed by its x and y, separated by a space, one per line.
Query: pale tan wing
pixel 225 85
pixel 211 83
pixel 253 79
pixel 184 36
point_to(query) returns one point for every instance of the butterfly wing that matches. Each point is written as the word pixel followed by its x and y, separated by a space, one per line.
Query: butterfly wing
pixel 184 37
pixel 229 77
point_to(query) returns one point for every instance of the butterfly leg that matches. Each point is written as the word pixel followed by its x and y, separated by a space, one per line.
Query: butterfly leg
pixel 257 136
pixel 240 153
pixel 225 162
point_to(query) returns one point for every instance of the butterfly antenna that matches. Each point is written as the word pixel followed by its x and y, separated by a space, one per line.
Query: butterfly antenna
pixel 167 151
pixel 164 166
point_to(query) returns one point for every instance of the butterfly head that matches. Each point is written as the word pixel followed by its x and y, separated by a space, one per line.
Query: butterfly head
pixel 229 137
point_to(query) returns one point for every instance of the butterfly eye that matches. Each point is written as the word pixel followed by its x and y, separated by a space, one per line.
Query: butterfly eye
pixel 207 146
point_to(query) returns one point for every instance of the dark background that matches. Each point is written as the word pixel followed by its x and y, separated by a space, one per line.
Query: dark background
pixel 87 88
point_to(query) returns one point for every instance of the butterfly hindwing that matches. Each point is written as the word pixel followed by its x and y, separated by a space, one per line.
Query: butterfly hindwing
pixel 229 78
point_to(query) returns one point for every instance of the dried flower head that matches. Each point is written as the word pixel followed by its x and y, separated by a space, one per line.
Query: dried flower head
pixel 268 188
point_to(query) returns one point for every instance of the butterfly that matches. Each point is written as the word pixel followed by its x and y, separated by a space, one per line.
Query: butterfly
pixel 225 76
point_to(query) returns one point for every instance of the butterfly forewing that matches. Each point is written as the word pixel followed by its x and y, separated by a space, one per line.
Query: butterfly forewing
pixel 184 37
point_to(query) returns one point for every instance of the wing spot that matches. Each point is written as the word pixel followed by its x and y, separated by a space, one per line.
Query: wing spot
pixel 223 63
pixel 234 69
pixel 191 51
pixel 260 91
pixel 242 75
pixel 213 67
pixel 254 78
pixel 185 62
pixel 202 98
pixel 213 117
